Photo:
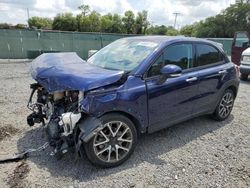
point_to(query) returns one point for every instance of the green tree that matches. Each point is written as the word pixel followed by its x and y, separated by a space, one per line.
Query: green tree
pixel 85 9
pixel 188 30
pixel 129 21
pixel 171 31
pixel 141 22
pixel 65 22
pixel 211 27
pixel 89 23
pixel 157 30
pixel 40 23
pixel 106 23
pixel 83 23
pixel 117 25
pixel 4 26
pixel 244 1
pixel 234 18
pixel 20 26
pixel 237 18
pixel 94 19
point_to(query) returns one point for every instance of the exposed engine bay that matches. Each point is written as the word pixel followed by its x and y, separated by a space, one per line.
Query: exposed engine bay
pixel 59 112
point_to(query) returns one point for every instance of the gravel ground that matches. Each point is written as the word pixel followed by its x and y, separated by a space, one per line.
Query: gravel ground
pixel 198 153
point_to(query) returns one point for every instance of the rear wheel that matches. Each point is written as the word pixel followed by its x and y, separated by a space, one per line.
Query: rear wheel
pixel 243 76
pixel 225 106
pixel 113 144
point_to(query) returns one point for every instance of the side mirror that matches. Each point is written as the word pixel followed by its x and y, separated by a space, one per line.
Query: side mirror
pixel 169 71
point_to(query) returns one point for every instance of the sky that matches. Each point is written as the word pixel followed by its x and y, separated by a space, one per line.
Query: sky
pixel 160 12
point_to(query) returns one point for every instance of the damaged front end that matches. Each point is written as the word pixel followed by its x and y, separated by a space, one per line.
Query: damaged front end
pixel 62 80
pixel 59 112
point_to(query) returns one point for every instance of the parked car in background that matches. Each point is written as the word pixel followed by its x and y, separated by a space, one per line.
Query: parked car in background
pixel 241 42
pixel 245 64
pixel 132 86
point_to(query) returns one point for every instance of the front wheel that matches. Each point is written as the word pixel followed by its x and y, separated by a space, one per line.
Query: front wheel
pixel 112 145
pixel 225 106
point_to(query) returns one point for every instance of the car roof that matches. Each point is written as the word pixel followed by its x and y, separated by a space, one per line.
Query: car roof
pixel 164 41
pixel 169 39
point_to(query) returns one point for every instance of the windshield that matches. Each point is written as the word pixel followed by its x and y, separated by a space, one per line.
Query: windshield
pixel 123 54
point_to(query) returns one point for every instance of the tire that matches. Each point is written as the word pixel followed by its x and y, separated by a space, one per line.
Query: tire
pixel 225 106
pixel 110 149
pixel 243 77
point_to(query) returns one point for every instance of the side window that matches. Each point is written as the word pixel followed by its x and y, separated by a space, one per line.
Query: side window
pixel 156 67
pixel 179 54
pixel 207 54
pixel 241 40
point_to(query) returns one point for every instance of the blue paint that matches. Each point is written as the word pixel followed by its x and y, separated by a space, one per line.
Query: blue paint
pixel 171 69
pixel 67 71
pixel 152 105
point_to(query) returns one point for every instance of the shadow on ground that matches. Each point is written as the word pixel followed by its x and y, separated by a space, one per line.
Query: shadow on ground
pixel 149 149
pixel 246 82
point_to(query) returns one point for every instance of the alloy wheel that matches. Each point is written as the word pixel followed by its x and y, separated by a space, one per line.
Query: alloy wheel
pixel 113 142
pixel 226 104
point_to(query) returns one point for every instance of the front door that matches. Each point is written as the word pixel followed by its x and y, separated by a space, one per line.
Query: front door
pixel 171 101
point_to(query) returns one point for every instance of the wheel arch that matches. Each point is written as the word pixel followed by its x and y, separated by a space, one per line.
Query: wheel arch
pixel 89 125
pixel 134 120
pixel 232 85
pixel 233 88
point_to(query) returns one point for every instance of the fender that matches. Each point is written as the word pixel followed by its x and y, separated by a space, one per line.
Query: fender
pixel 129 99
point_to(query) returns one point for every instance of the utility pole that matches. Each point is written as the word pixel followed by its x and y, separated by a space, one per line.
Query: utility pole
pixel 28 13
pixel 175 20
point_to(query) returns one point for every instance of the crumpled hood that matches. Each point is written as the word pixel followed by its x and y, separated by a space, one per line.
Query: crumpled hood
pixel 67 71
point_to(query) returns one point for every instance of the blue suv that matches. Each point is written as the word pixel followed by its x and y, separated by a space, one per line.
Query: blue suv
pixel 134 85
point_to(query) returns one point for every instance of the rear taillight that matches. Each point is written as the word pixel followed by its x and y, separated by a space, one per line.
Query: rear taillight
pixel 237 68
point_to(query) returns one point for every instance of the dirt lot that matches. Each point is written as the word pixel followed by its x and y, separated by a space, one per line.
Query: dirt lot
pixel 197 153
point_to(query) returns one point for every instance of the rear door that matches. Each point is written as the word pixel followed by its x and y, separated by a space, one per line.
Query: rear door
pixel 212 73
pixel 240 43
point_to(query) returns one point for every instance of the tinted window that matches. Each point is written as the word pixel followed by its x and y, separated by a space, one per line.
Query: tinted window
pixel 156 67
pixel 207 54
pixel 180 54
pixel 241 40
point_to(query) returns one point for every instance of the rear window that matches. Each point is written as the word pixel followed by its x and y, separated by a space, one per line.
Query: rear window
pixel 241 40
pixel 207 55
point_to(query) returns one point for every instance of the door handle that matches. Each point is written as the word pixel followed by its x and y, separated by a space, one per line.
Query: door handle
pixel 222 72
pixel 192 79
